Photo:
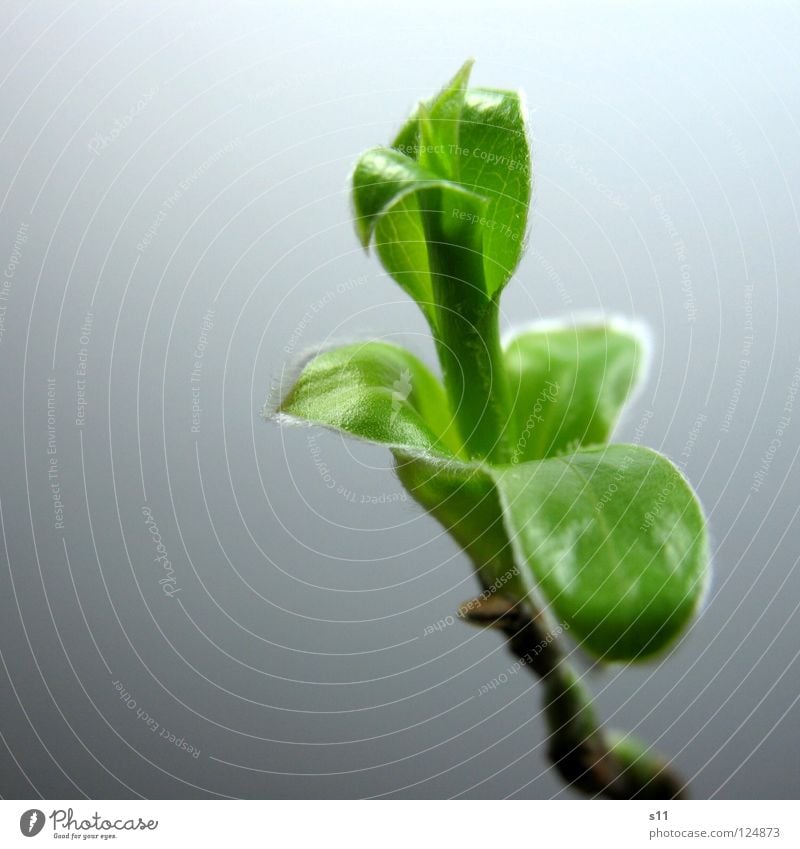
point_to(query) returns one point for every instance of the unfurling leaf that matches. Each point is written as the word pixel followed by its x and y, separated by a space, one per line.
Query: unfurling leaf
pixel 390 192
pixel 383 177
pixel 458 173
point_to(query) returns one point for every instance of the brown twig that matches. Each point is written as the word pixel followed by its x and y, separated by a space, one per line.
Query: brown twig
pixel 588 757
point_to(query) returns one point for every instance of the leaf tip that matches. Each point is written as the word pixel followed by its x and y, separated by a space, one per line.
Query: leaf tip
pixel 462 75
pixel 363 231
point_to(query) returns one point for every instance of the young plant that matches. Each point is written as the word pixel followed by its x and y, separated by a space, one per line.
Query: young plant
pixel 509 450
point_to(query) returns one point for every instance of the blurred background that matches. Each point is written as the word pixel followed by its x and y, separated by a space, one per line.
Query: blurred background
pixel 195 603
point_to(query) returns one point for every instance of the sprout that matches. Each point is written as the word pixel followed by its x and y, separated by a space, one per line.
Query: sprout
pixel 510 450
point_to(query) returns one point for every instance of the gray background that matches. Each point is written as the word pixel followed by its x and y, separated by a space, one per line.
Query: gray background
pixel 294 656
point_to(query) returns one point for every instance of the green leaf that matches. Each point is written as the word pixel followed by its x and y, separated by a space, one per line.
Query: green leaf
pixel 383 177
pixel 495 163
pixel 377 392
pixel 439 128
pixel 568 384
pixel 403 251
pixel 490 154
pixel 391 194
pixel 616 542
pixel 458 172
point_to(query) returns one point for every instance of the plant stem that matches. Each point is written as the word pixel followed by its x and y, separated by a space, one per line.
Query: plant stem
pixel 586 755
pixel 467 333
pixel 468 345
